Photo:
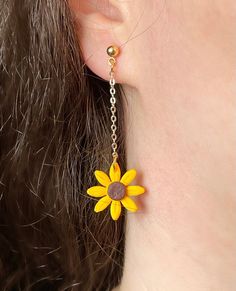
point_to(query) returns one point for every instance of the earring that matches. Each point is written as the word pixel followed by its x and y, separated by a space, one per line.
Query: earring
pixel 114 189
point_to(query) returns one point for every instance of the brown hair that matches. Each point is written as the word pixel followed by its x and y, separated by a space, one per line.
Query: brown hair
pixel 54 132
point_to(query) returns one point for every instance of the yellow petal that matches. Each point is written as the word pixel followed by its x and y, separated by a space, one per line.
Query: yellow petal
pixel 97 191
pixel 128 177
pixel 102 203
pixel 115 209
pixel 129 204
pixel 115 172
pixel 102 178
pixel 135 190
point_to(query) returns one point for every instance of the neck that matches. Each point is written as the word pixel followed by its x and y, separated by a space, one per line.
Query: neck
pixel 181 139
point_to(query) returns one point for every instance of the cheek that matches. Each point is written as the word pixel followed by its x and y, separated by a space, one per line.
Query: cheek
pixel 213 21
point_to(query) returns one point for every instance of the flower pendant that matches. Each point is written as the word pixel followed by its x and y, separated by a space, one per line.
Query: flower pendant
pixel 115 191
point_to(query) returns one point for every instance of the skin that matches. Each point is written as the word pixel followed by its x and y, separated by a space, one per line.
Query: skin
pixel 178 69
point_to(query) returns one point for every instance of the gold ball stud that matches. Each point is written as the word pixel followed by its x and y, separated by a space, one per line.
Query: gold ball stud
pixel 113 51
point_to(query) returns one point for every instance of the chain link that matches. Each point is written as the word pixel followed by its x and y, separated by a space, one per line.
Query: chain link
pixel 113 109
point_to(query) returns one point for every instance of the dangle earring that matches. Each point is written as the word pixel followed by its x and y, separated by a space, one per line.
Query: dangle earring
pixel 114 189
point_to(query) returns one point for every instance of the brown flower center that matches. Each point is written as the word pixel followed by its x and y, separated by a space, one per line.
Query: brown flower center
pixel 116 190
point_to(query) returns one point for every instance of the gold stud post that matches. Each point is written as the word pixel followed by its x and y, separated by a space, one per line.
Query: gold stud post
pixel 113 51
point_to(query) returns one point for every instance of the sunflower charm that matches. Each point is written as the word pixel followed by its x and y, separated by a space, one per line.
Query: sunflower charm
pixel 115 190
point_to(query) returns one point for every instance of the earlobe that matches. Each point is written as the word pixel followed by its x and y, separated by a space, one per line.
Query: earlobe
pixel 99 24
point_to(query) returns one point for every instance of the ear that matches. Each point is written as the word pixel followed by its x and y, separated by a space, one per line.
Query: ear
pixel 99 24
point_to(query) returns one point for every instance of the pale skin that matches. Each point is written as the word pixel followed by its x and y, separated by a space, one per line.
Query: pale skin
pixel 178 69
